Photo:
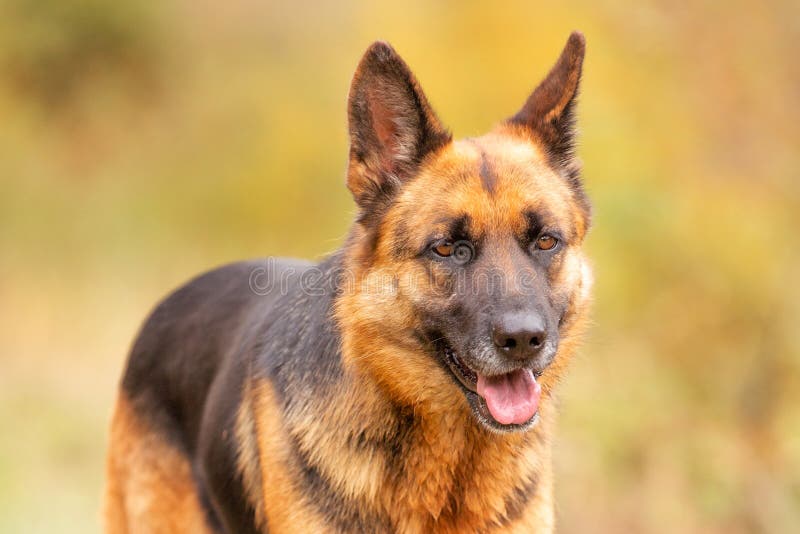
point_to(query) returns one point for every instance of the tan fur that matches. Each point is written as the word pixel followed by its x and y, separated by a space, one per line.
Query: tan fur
pixel 285 509
pixel 446 455
pixel 248 461
pixel 149 489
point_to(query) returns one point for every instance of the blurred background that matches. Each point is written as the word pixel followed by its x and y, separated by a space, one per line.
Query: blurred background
pixel 142 143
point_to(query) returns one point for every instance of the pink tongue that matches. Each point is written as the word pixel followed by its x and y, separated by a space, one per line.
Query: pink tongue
pixel 512 398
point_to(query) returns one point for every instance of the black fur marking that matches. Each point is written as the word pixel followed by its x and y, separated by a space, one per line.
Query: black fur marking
pixel 459 228
pixel 185 372
pixel 389 438
pixel 181 348
pixel 218 449
pixel 517 501
pixel 487 173
pixel 298 343
pixel 207 505
pixel 540 222
pixel 535 226
pixel 347 515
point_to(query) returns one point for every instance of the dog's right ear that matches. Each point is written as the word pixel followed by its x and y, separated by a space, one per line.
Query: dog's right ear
pixel 392 127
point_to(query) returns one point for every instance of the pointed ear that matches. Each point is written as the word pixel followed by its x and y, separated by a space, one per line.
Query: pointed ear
pixel 549 111
pixel 392 126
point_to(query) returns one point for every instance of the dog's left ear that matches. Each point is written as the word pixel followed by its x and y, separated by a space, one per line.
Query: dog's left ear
pixel 549 112
pixel 392 126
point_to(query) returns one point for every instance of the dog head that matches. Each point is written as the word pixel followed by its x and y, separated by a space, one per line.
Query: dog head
pixel 469 280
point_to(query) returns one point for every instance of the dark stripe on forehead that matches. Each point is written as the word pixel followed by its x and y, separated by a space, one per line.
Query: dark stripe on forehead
pixel 488 176
pixel 486 172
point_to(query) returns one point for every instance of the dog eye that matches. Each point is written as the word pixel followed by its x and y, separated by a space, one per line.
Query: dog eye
pixel 444 249
pixel 460 251
pixel 546 242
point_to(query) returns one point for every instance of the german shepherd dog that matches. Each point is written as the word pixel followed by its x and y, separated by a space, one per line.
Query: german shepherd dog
pixel 403 384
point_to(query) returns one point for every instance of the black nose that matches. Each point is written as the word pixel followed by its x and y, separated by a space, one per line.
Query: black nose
pixel 519 335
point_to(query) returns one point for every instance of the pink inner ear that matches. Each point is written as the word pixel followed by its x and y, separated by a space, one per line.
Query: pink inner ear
pixel 385 129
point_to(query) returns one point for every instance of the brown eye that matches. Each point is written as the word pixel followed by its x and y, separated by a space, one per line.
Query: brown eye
pixel 460 252
pixel 444 249
pixel 546 242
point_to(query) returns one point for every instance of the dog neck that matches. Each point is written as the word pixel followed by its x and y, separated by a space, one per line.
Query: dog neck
pixel 433 468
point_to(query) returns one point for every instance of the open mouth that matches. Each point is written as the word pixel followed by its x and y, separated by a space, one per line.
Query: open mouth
pixel 505 402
